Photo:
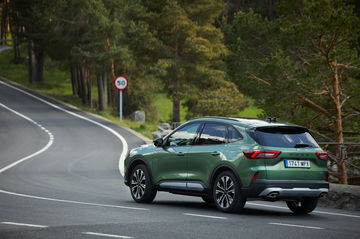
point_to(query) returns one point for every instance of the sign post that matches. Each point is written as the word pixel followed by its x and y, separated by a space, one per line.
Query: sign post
pixel 121 83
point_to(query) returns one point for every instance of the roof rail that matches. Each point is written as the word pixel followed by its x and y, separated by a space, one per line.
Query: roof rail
pixel 218 117
pixel 268 119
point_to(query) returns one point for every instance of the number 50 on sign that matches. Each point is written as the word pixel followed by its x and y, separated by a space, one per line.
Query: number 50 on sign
pixel 121 83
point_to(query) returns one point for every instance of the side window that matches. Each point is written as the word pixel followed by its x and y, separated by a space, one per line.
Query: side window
pixel 213 134
pixel 233 135
pixel 184 136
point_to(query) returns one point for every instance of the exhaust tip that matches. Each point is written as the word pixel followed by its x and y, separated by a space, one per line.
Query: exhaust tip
pixel 273 195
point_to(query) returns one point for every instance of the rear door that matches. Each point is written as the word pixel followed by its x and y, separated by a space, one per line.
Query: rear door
pixel 207 152
pixel 297 160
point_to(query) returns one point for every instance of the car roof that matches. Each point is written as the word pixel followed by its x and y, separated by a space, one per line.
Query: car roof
pixel 246 122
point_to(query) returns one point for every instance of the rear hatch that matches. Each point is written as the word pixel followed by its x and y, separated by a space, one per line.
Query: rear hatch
pixel 296 155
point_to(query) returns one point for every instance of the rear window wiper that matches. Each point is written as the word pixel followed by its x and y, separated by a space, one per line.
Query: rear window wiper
pixel 302 146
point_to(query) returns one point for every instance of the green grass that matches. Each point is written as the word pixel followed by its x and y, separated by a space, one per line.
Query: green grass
pixel 164 106
pixel 251 111
pixel 57 84
pixel 18 73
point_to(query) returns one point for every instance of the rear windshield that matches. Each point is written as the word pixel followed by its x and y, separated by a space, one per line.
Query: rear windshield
pixel 287 137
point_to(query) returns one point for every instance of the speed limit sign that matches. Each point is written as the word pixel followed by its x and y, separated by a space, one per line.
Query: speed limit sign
pixel 121 82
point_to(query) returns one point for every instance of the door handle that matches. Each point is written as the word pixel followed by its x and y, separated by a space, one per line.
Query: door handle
pixel 180 154
pixel 215 153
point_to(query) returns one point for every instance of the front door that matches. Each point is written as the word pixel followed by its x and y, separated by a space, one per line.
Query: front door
pixel 171 164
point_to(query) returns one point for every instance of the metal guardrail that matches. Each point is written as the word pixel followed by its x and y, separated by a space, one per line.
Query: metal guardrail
pixel 336 143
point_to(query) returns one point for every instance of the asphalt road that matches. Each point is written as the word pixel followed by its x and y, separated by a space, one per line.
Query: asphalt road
pixel 59 178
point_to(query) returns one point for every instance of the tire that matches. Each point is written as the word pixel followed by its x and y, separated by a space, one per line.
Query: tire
pixel 208 199
pixel 226 193
pixel 141 188
pixel 304 206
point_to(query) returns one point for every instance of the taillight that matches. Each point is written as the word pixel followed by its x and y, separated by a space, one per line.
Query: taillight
pixel 326 177
pixel 322 156
pixel 261 154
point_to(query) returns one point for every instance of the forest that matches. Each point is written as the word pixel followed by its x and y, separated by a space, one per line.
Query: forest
pixel 296 60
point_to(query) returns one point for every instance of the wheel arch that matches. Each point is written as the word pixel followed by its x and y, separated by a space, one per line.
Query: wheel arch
pixel 218 170
pixel 133 164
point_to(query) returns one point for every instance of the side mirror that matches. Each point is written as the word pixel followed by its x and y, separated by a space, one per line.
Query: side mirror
pixel 158 142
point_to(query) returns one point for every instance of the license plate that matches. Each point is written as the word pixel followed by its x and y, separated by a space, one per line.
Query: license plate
pixel 297 164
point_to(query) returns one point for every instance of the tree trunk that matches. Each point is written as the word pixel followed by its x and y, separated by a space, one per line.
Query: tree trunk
pixel 39 54
pixel 32 61
pixel 111 94
pixel 85 86
pixel 339 134
pixel 102 91
pixel 3 22
pixel 16 48
pixel 88 94
pixel 36 62
pixel 270 7
pixel 79 81
pixel 82 91
pixel 15 33
pixel 176 101
pixel 176 89
pixel 74 79
pixel 176 109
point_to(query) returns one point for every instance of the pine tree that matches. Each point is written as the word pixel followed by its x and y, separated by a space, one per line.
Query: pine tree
pixel 303 66
pixel 191 46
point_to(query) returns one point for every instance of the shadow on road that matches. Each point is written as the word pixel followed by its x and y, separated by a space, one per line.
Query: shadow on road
pixel 248 210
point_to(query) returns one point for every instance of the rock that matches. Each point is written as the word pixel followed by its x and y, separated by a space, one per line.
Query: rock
pixel 342 197
pixel 165 126
pixel 164 129
pixel 138 116
pixel 156 135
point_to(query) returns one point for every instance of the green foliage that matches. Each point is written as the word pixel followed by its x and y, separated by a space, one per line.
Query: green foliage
pixel 303 67
pixel 170 46
pixel 281 62
pixel 223 100
pixel 191 48
pixel 56 80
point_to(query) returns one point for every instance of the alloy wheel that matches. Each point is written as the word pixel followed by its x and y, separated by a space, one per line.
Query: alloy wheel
pixel 138 183
pixel 225 192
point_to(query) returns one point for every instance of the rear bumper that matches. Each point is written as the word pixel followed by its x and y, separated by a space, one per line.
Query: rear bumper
pixel 275 190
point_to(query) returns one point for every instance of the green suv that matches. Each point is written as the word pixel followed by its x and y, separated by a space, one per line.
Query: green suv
pixel 227 161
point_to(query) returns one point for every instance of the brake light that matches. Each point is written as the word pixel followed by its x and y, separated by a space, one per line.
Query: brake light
pixel 261 154
pixel 326 177
pixel 322 156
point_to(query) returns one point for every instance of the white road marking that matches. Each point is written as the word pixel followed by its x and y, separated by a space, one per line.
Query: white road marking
pixel 121 160
pixel 24 224
pixel 106 235
pixel 338 214
pixel 70 201
pixel 206 216
pixel 122 140
pixel 293 225
pixel 320 212
pixel 50 142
